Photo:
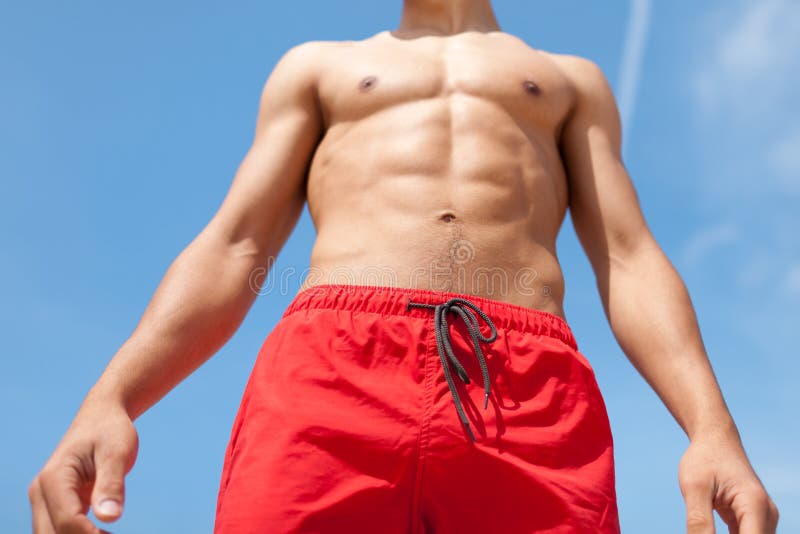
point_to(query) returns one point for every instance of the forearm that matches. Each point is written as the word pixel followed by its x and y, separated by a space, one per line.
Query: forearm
pixel 652 317
pixel 199 304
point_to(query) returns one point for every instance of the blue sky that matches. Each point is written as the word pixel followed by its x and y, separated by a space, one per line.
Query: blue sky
pixel 121 125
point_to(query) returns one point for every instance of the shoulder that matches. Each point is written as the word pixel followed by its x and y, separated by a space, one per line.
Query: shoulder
pixel 302 59
pixel 297 70
pixel 588 80
pixel 594 106
pixel 304 62
pixel 585 74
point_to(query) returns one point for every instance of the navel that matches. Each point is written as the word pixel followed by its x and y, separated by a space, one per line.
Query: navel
pixel 447 217
pixel 367 84
pixel 531 88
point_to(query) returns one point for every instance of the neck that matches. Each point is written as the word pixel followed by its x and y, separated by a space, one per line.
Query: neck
pixel 446 17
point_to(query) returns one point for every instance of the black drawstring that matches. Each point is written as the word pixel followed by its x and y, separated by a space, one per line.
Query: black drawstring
pixel 462 308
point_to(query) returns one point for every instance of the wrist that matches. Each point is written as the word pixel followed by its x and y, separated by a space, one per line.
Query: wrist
pixel 103 396
pixel 718 428
pixel 119 386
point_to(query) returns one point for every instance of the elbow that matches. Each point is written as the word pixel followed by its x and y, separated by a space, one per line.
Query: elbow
pixel 624 253
pixel 255 238
pixel 626 248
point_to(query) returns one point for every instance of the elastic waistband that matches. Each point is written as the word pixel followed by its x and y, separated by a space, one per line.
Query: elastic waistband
pixel 387 300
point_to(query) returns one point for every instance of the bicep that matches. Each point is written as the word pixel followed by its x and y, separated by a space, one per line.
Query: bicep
pixel 604 205
pixel 267 193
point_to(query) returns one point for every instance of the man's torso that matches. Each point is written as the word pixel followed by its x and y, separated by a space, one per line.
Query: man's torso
pixel 440 166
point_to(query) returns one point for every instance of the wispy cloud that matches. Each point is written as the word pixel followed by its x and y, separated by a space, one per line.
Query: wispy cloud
pixel 745 87
pixel 746 80
pixel 792 280
pixel 783 159
pixel 705 241
pixel 754 58
pixel 756 270
pixel 632 58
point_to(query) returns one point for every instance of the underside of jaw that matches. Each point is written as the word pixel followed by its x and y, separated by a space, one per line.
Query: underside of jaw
pixel 447 17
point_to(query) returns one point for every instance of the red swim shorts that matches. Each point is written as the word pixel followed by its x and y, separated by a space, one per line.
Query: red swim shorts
pixel 360 412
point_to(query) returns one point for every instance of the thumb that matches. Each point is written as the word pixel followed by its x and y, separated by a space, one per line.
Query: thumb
pixel 699 496
pixel 108 494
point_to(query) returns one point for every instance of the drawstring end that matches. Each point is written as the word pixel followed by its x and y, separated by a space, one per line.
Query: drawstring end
pixel 464 308
pixel 469 431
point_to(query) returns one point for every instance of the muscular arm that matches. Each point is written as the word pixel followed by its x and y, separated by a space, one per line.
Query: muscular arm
pixel 198 305
pixel 649 309
pixel 206 292
pixel 645 300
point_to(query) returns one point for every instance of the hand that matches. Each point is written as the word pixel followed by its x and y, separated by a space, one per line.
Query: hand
pixel 715 474
pixel 88 468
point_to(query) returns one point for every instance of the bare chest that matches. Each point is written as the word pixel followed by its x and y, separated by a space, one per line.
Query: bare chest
pixel 367 78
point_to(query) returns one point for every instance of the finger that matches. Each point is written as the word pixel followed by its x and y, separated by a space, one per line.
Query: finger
pixel 752 524
pixel 40 517
pixel 754 514
pixel 108 495
pixel 699 496
pixel 61 491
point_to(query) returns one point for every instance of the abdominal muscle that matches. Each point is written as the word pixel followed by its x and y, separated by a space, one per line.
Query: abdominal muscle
pixel 445 194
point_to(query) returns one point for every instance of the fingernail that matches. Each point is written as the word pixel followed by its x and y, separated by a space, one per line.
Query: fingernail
pixel 109 507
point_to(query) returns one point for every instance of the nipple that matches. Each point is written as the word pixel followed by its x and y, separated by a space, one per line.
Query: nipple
pixel 531 87
pixel 367 84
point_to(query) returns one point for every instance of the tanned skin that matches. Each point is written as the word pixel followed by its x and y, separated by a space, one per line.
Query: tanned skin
pixel 431 154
